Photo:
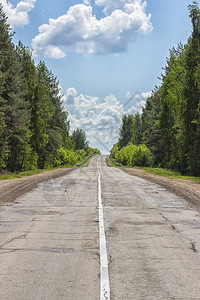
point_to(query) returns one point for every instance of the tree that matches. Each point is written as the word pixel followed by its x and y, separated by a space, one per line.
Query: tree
pixel 170 121
pixel 14 133
pixel 58 125
pixel 126 130
pixel 192 93
pixel 34 126
pixel 79 140
pixel 48 119
pixel 137 130
pixel 151 133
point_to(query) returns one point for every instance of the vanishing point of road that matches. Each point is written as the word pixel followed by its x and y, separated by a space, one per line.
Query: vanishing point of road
pixel 99 233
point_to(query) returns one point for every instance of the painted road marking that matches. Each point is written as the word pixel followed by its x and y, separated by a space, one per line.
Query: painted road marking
pixel 105 286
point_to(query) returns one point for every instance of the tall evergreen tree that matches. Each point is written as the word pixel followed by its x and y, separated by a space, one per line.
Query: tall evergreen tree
pixel 192 93
pixel 79 140
pixel 13 110
pixel 152 136
pixel 126 130
pixel 137 130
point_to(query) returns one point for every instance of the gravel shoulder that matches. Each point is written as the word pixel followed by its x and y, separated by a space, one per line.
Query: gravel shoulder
pixel 189 190
pixel 14 188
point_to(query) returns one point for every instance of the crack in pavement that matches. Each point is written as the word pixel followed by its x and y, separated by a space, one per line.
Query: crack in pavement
pixel 193 244
pixel 22 236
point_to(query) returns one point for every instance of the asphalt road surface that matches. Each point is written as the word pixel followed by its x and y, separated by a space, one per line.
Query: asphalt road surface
pixel 148 246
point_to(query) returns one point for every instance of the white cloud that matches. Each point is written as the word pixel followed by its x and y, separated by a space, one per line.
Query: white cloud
pixel 140 99
pixel 63 96
pixel 55 52
pixel 80 29
pixel 128 94
pixel 87 2
pixel 100 119
pixel 18 16
pixel 128 5
pixel 145 95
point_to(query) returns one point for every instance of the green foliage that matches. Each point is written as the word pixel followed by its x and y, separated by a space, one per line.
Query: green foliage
pixel 91 151
pixel 114 151
pixel 68 157
pixel 133 155
pixel 81 155
pixel 34 126
pixel 170 122
pixel 137 130
pixel 126 130
pixel 130 131
pixel 14 114
pixel 79 140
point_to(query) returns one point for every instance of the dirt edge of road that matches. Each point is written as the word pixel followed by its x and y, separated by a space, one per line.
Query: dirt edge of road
pixel 189 190
pixel 11 189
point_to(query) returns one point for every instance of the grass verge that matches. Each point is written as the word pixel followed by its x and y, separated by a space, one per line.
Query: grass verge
pixel 37 171
pixel 112 164
pixel 161 172
pixel 28 173
pixel 168 173
pixel 85 163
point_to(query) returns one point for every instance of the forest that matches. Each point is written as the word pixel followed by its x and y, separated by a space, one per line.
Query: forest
pixel 34 126
pixel 167 132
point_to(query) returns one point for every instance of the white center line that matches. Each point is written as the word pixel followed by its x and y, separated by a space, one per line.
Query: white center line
pixel 105 286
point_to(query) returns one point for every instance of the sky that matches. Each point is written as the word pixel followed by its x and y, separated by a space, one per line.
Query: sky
pixel 106 54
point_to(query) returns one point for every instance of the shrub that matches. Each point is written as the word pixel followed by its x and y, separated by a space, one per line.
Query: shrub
pixel 133 155
pixel 114 151
pixel 68 157
pixel 81 155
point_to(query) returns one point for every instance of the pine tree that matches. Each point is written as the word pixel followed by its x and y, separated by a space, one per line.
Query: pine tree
pixel 126 130
pixel 13 110
pixel 79 140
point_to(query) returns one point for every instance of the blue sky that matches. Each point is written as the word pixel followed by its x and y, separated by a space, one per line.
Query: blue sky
pixel 103 52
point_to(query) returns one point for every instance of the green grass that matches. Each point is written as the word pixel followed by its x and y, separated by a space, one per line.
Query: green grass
pixel 112 164
pixel 161 172
pixel 28 173
pixel 82 165
pixel 21 174
pixel 34 172
pixel 169 173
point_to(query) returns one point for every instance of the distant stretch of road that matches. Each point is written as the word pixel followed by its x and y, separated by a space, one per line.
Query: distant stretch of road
pixel 99 233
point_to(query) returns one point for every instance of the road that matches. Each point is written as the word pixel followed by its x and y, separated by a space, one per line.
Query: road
pixel 50 246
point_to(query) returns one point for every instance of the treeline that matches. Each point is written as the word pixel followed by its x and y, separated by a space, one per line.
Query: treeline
pixel 34 126
pixel 169 125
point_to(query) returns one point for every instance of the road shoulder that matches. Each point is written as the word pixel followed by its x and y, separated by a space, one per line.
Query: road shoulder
pixel 11 189
pixel 189 190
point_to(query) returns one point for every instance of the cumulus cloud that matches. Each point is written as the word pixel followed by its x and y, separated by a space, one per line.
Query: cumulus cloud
pixel 87 2
pixel 80 29
pixel 128 5
pixel 99 118
pixel 18 16
pixel 139 99
pixel 61 94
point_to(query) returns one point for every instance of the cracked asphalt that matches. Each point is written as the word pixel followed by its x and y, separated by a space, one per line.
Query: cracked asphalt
pixel 49 239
